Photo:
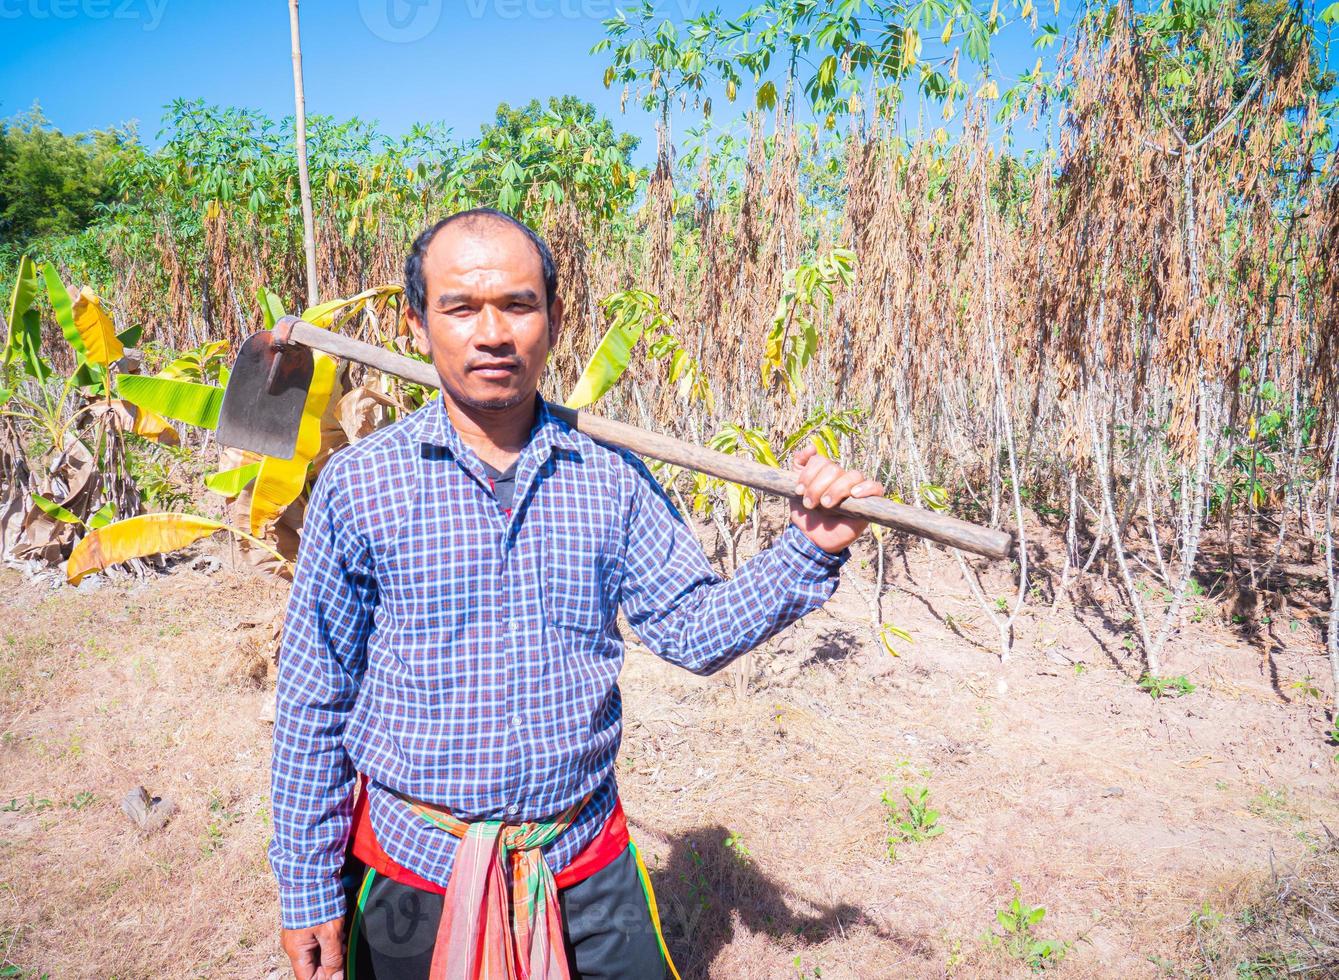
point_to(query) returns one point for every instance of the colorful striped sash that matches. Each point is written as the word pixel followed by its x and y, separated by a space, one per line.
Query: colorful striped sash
pixel 480 937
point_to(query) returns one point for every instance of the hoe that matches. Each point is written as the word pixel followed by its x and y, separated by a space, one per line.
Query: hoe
pixel 262 408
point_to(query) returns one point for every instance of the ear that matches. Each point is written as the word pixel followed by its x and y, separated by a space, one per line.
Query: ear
pixel 420 332
pixel 555 320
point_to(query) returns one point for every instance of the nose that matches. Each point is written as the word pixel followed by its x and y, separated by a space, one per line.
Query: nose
pixel 490 328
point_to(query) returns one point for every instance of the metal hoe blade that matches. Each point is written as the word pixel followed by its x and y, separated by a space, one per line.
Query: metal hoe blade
pixel 262 406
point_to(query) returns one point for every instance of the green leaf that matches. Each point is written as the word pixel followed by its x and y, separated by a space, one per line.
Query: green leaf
pixel 609 361
pixel 740 500
pixel 105 515
pixel 64 309
pixel 5 395
pixel 130 336
pixel 1330 15
pixel 271 307
pixel 53 509
pixel 767 96
pixel 230 483
pixel 25 323
pixel 185 401
pixel 827 71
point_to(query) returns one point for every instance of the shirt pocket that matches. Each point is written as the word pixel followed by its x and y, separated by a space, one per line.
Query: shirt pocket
pixel 579 586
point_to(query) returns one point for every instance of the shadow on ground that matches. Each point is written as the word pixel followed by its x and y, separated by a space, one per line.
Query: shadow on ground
pixel 705 888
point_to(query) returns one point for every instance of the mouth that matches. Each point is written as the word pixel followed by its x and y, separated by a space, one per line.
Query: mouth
pixel 495 370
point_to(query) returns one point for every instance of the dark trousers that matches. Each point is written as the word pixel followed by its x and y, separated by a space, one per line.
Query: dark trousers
pixel 607 927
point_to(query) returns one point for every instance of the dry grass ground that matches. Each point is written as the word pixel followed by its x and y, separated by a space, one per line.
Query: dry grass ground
pixel 1146 828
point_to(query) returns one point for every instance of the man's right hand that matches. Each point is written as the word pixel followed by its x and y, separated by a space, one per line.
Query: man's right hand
pixel 317 953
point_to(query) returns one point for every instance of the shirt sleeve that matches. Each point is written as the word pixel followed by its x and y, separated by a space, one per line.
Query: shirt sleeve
pixel 688 614
pixel 321 662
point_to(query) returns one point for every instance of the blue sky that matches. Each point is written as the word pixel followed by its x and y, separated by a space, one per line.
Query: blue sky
pixel 94 63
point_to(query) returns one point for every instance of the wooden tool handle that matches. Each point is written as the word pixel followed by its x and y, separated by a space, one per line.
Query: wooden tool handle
pixel 923 523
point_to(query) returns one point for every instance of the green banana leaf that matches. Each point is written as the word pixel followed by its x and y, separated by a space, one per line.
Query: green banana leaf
pixel 64 309
pixel 230 483
pixel 270 306
pixel 105 515
pixel 55 510
pixel 185 401
pixel 608 363
pixel 25 323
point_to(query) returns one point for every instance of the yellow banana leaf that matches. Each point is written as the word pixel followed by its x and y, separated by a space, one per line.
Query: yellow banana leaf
pixel 96 329
pixel 281 480
pixel 136 537
pixel 155 428
pixel 326 314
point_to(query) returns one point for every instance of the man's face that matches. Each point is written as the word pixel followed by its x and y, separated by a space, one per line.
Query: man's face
pixel 487 331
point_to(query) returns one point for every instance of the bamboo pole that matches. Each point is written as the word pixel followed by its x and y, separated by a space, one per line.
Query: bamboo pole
pixel 304 181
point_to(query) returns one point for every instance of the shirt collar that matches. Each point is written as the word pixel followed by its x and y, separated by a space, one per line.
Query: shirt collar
pixel 550 432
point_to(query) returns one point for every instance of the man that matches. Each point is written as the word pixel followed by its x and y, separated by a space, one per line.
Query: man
pixel 451 649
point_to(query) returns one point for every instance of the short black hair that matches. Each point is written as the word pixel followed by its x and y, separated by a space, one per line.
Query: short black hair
pixel 416 288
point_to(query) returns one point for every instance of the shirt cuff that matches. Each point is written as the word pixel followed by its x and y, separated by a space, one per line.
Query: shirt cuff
pixel 310 903
pixel 808 558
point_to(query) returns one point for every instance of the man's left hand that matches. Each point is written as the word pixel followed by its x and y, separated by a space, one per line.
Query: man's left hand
pixel 823 484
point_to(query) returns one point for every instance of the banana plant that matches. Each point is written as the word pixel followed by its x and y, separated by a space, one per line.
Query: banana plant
pixel 181 391
pixel 89 330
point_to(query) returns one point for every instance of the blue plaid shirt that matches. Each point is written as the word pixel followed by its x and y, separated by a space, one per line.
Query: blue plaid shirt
pixel 469 658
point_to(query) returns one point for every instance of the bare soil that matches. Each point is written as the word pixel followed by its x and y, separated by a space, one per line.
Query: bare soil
pixel 1144 827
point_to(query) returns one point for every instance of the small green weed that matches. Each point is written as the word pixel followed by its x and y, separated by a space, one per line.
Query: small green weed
pixel 1166 687
pixel 802 972
pixel 1020 941
pixel 34 803
pixel 888 633
pixel 82 800
pixel 1273 805
pixel 736 846
pixel 914 824
pixel 10 971
pixel 223 818
pixel 695 881
pixel 1307 688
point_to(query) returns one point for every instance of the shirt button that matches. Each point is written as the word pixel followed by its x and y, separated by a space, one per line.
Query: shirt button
pixel 513 809
pixel 513 626
pixel 515 721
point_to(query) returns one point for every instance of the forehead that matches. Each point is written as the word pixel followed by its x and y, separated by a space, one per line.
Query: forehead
pixel 482 252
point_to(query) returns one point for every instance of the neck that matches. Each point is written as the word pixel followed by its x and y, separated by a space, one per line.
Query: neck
pixel 497 435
